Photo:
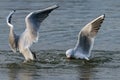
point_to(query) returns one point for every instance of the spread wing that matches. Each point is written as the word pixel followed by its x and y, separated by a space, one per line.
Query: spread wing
pixel 87 35
pixel 13 38
pixel 33 21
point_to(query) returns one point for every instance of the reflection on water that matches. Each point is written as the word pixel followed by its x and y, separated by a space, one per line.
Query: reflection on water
pixel 17 74
pixel 59 33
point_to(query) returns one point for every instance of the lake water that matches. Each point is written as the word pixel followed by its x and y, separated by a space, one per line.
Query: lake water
pixel 58 32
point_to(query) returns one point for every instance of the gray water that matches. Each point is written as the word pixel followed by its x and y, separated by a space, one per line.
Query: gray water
pixel 58 32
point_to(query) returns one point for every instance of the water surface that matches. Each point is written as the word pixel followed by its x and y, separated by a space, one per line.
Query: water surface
pixel 58 32
pixel 53 65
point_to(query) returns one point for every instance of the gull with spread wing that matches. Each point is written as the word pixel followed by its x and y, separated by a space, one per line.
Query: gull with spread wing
pixel 85 40
pixel 23 42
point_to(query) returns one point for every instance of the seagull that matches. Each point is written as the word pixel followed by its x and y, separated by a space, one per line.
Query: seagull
pixel 23 42
pixel 85 41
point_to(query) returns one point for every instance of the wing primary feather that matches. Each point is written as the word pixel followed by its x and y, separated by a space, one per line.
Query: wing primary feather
pixel 9 18
pixel 33 21
pixel 87 34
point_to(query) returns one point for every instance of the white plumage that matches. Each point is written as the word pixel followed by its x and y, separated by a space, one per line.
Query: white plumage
pixel 85 40
pixel 23 42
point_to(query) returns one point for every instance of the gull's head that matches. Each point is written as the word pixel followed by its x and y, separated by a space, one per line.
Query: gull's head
pixel 70 53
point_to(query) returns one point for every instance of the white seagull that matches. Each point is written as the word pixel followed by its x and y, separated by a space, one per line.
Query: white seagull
pixel 85 40
pixel 23 42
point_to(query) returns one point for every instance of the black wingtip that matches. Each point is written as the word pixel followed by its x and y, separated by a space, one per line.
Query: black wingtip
pixel 14 10
pixel 104 15
pixel 10 16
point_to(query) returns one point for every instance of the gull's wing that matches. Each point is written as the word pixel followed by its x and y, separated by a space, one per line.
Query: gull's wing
pixel 87 35
pixel 8 19
pixel 33 21
pixel 13 38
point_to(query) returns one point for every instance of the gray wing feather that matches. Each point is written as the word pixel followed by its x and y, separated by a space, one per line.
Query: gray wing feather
pixel 92 28
pixel 87 34
pixel 84 43
pixel 33 21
